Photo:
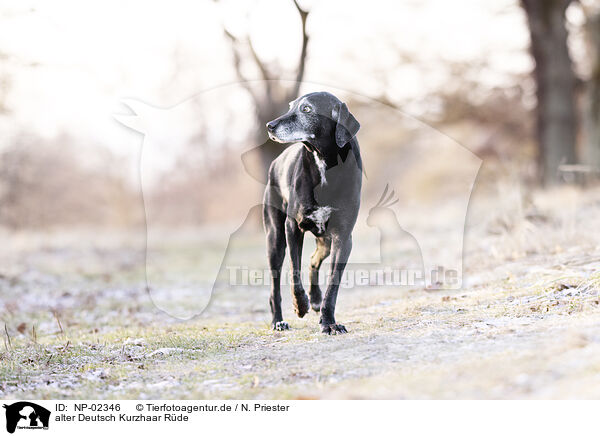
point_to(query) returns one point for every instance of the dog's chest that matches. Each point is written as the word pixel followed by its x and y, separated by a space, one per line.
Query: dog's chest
pixel 322 167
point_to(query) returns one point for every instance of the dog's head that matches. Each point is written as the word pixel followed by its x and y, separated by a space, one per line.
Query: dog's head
pixel 318 119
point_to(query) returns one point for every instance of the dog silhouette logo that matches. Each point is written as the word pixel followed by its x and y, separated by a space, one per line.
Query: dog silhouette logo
pixel 26 415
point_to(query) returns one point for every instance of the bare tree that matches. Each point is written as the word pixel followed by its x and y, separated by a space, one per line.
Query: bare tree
pixel 270 96
pixel 4 85
pixel 591 112
pixel 556 81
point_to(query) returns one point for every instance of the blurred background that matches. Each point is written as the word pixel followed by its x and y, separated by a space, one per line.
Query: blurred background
pixel 501 95
pixel 517 83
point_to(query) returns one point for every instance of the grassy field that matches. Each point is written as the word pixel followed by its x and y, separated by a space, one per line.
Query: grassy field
pixel 77 322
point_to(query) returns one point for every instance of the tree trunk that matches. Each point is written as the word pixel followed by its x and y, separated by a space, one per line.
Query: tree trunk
pixel 555 80
pixel 591 110
pixel 270 97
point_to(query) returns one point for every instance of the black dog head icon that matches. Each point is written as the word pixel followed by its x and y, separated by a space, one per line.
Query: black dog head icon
pixel 27 414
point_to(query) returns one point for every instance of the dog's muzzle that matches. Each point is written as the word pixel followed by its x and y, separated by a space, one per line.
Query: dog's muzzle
pixel 272 137
pixel 271 126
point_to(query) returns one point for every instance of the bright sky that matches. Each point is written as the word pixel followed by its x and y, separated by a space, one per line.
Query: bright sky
pixel 92 54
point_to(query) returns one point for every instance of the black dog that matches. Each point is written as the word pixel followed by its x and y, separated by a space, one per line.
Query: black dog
pixel 313 186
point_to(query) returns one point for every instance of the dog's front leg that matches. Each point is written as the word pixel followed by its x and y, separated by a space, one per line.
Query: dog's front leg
pixel 341 249
pixel 274 221
pixel 295 238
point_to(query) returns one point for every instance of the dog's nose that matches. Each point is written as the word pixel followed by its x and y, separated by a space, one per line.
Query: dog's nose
pixel 271 126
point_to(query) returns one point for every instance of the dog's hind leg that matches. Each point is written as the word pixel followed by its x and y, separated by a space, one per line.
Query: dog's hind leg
pixel 274 221
pixel 319 255
pixel 295 238
pixel 341 252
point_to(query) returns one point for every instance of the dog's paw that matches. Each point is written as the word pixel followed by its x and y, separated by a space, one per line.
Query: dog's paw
pixel 307 225
pixel 333 329
pixel 301 305
pixel 281 325
pixel 315 298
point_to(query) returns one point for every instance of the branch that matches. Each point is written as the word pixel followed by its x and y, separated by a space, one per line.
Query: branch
pixel 237 64
pixel 302 62
pixel 263 70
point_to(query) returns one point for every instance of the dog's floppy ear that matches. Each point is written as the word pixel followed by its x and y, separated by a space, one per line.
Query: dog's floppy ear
pixel 346 125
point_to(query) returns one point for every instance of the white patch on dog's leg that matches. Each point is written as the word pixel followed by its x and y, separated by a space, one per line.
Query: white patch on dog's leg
pixel 320 217
pixel 322 166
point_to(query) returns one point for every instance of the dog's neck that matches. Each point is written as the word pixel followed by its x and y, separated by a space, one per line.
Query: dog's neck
pixel 329 157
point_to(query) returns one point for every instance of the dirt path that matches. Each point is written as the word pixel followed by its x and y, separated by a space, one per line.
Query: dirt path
pixel 526 325
pixel 497 340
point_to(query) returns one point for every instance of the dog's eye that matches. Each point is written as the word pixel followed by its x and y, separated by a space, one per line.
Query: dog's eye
pixel 306 108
